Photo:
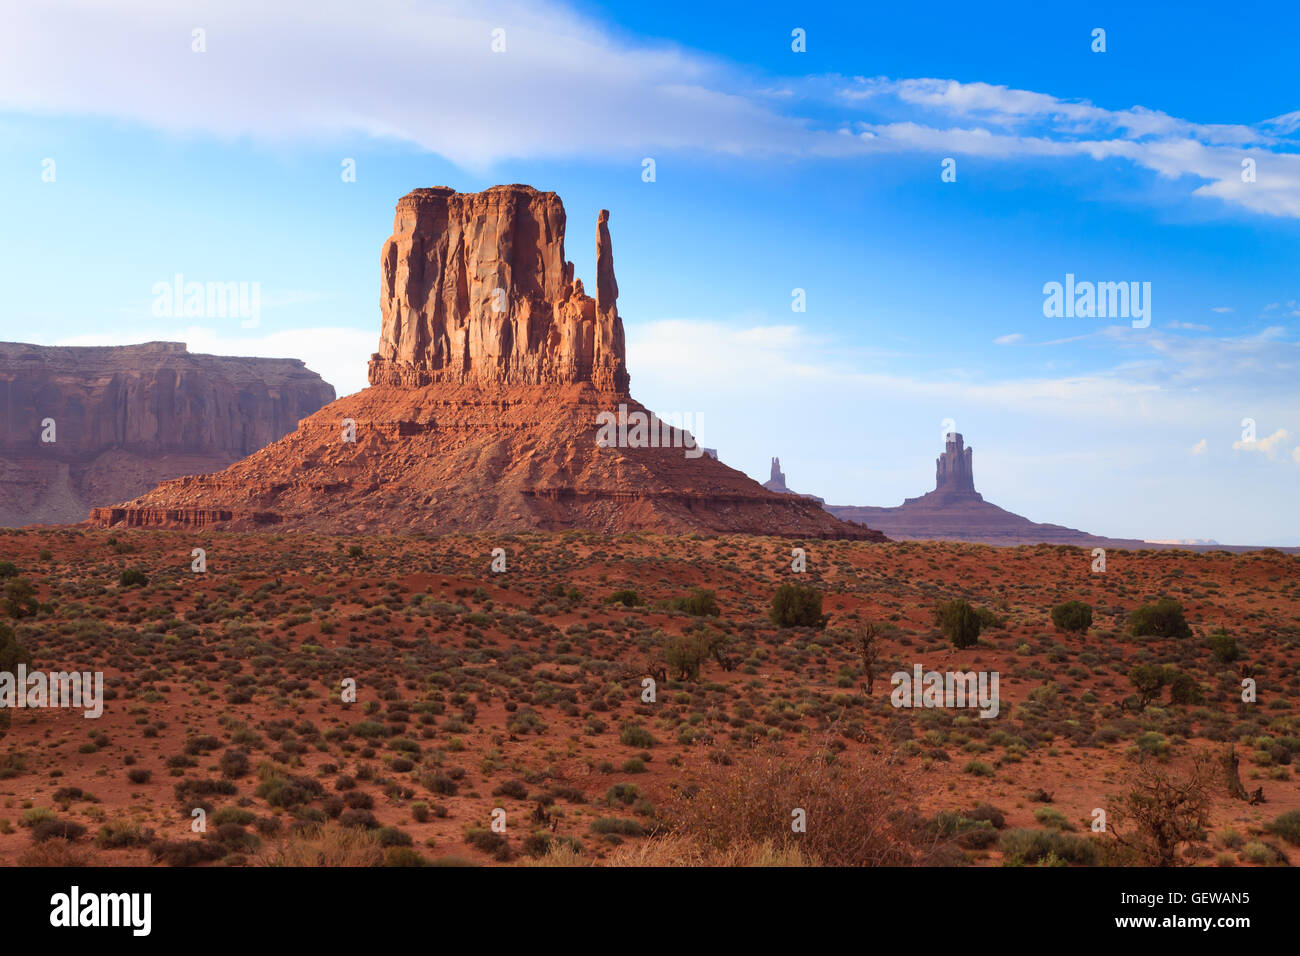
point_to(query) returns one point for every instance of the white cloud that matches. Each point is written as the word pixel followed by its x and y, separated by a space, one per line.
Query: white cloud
pixel 566 86
pixel 1011 339
pixel 1192 326
pixel 422 72
pixel 1200 447
pixel 1267 446
pixel 1221 308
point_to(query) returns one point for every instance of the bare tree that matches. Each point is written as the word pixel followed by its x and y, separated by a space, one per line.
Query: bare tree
pixel 867 643
pixel 1163 812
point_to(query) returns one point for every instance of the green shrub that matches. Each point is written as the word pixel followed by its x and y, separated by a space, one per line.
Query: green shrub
pixel 1287 826
pixel 624 596
pixel 634 735
pixel 1022 847
pixel 1073 617
pixel 958 622
pixel 1162 619
pixel 797 605
pixel 132 577
pixel 1224 647
pixel 700 603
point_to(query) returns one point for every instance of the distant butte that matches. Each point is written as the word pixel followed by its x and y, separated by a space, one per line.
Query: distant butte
pixel 492 368
pixel 777 483
pixel 955 511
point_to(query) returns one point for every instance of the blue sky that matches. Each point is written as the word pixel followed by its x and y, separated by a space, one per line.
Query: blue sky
pixel 775 171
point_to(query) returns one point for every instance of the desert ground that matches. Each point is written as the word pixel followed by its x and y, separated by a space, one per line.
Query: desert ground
pixel 522 691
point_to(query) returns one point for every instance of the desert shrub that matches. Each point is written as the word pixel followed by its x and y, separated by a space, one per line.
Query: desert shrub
pixel 634 735
pixel 797 605
pixel 1073 617
pixel 1287 826
pixel 624 596
pixel 958 622
pixel 489 842
pixel 185 852
pixel 403 856
pixel 1184 689
pixel 1023 847
pixel 8 570
pixel 1162 619
pixel 121 834
pixel 857 813
pixel 392 836
pixel 326 845
pixel 11 652
pixel 700 603
pixel 234 763
pixel 57 829
pixel 617 826
pixel 132 577
pixel 139 775
pixel 511 788
pixel 1224 647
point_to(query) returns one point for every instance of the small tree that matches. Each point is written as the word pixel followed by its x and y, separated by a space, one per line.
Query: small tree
pixel 1149 680
pixel 959 622
pixel 1162 619
pixel 797 605
pixel 1073 617
pixel 19 598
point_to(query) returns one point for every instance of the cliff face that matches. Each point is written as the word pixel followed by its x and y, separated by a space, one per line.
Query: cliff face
pixel 81 427
pixel 493 374
pixel 475 289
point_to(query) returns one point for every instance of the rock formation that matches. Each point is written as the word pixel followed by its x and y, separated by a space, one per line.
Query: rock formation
pixel 475 289
pixel 955 511
pixel 777 483
pixel 492 371
pixel 953 472
pixel 81 427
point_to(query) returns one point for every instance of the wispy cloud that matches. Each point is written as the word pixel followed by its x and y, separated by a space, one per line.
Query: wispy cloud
pixel 426 73
pixel 1011 339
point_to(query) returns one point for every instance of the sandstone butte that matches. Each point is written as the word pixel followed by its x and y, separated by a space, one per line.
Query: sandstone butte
pixel 481 414
pixel 127 417
pixel 955 511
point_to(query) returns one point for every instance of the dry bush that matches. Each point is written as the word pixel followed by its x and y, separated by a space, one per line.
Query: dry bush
pixel 1163 812
pixel 55 853
pixel 676 850
pixel 860 812
pixel 326 845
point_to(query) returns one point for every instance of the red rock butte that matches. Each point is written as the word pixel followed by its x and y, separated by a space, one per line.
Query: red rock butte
pixel 493 365
pixel 955 511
